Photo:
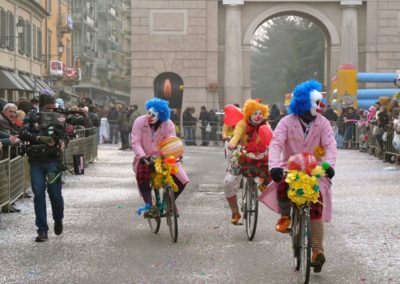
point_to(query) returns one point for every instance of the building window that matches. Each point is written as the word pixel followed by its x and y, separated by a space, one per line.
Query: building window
pixel 49 6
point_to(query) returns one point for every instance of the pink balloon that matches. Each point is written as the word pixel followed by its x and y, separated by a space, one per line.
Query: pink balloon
pixel 232 115
pixel 265 134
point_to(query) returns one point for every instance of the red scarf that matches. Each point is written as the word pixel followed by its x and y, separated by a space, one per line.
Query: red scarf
pixel 252 131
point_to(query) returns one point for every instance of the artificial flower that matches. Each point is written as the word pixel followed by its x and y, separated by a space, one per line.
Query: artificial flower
pixel 303 188
pixel 319 151
pixel 164 169
pixel 253 160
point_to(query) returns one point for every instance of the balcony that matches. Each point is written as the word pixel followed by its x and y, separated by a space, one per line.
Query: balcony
pixel 65 24
pixel 89 78
pixel 106 10
pixel 86 53
pixel 79 19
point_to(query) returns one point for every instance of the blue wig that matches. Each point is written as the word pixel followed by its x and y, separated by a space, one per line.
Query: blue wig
pixel 301 101
pixel 160 106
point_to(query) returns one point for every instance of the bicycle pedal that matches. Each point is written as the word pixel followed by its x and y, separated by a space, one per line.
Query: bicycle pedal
pixel 238 224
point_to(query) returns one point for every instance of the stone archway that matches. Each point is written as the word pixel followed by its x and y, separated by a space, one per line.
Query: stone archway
pixel 332 42
pixel 337 20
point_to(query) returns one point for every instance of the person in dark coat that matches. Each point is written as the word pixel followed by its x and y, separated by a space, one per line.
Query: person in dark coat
pixel 274 116
pixel 330 114
pixel 188 123
pixel 123 127
pixel 204 118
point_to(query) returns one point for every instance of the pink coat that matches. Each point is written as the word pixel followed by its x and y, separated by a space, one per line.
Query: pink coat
pixel 145 144
pixel 289 139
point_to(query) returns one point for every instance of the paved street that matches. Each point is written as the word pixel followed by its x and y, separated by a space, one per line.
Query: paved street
pixel 105 242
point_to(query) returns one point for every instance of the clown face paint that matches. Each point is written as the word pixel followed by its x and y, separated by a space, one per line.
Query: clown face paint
pixel 257 117
pixel 152 116
pixel 316 102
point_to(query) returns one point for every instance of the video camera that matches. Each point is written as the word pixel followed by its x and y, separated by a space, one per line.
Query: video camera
pixel 42 120
pixel 47 123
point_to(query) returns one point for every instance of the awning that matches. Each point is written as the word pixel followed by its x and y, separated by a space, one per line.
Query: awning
pixel 27 88
pixel 41 85
pixel 9 82
pixel 28 80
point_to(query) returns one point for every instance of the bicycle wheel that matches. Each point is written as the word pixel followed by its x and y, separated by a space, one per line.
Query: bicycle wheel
pixel 155 222
pixel 251 208
pixel 305 245
pixel 295 236
pixel 171 214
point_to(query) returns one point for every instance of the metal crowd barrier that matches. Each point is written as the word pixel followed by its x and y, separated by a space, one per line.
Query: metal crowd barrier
pixel 14 172
pixel 356 141
pixel 388 153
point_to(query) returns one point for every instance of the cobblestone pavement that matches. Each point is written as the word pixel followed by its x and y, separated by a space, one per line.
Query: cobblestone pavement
pixel 104 241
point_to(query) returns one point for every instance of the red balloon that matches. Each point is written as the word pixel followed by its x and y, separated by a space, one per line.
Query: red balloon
pixel 302 162
pixel 167 90
pixel 265 134
pixel 232 115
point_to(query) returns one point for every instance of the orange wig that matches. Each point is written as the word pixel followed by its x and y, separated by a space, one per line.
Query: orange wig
pixel 251 106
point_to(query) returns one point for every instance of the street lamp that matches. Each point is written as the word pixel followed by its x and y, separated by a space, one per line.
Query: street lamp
pixel 60 48
pixel 20 26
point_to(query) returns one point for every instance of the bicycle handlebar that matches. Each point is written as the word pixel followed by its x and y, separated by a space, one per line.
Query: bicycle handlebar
pixel 148 160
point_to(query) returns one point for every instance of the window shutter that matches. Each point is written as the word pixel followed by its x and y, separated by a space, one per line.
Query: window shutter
pixel 39 44
pixel 12 32
pixel 34 42
pixel 28 36
pixel 2 27
pixel 7 30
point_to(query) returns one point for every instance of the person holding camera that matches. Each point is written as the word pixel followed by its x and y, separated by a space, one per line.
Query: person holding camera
pixel 44 153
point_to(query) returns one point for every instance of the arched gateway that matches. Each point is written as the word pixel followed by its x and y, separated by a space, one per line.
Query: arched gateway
pixel 207 43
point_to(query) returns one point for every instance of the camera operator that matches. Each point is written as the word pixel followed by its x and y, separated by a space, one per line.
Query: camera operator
pixel 44 152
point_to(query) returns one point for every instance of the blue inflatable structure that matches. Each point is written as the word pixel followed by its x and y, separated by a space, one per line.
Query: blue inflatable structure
pixel 367 97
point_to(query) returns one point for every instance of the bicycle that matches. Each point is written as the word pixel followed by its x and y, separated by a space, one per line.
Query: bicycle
pixel 164 206
pixel 249 200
